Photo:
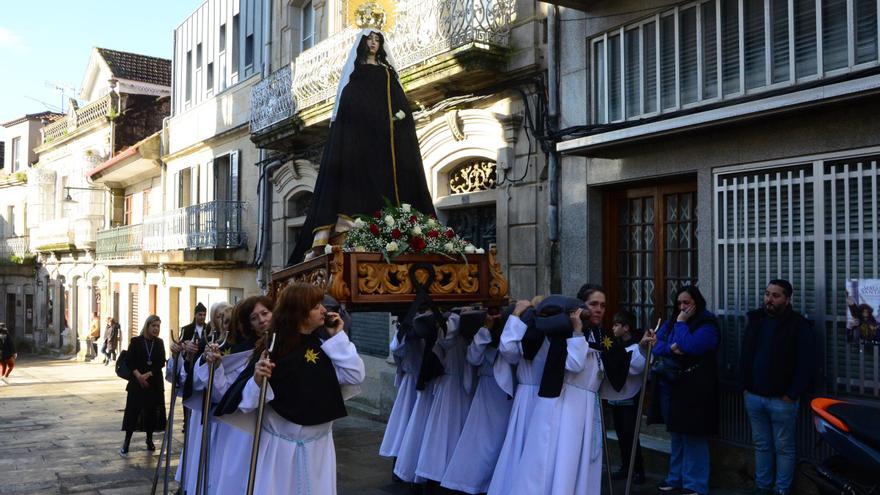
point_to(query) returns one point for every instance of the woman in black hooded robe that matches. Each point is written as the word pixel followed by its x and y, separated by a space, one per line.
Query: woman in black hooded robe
pixel 372 151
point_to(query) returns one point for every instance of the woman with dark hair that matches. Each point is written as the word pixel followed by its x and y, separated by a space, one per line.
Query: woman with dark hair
pixel 230 446
pixel 7 352
pixel 686 391
pixel 304 395
pixel 145 404
pixel 111 340
pixel 372 151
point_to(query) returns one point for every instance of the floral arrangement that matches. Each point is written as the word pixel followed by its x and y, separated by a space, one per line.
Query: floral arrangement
pixel 396 230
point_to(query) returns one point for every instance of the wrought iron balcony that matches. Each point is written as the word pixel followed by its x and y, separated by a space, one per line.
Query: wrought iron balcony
pixel 14 246
pixel 212 225
pixel 423 30
pixel 124 243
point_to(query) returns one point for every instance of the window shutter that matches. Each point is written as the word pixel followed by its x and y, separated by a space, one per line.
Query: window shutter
pixel 234 193
pixel 211 182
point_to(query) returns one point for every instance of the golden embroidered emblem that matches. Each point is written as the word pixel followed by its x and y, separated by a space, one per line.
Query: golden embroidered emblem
pixel 228 351
pixel 606 342
pixel 311 356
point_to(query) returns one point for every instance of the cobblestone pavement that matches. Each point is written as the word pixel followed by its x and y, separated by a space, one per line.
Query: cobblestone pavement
pixel 59 434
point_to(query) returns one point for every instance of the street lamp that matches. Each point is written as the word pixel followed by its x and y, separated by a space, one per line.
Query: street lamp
pixel 68 199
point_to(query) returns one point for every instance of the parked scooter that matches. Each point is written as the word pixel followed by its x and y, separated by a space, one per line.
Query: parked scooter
pixel 853 431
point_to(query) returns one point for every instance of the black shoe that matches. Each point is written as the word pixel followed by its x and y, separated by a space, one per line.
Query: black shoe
pixel 124 449
pixel 150 446
pixel 664 488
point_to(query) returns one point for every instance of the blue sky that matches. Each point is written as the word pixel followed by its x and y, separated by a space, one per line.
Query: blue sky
pixel 51 41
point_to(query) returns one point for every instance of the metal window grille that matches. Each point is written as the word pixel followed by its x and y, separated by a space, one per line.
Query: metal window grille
pixel 815 224
pixel 707 51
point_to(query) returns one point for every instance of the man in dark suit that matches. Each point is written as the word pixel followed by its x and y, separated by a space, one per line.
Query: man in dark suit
pixel 198 325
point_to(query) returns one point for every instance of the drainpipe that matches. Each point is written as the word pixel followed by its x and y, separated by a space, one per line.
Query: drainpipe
pixel 264 219
pixel 553 156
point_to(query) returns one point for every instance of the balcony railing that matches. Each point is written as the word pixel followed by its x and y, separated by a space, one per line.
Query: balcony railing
pixel 423 29
pixel 14 246
pixel 94 111
pixel 120 243
pixel 213 225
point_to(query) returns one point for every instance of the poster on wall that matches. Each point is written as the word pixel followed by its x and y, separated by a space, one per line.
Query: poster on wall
pixel 862 302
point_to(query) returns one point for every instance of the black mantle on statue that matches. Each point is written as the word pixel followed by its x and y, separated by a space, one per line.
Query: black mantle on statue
pixel 357 172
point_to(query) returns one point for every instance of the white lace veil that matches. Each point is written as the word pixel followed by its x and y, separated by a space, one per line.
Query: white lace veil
pixel 348 68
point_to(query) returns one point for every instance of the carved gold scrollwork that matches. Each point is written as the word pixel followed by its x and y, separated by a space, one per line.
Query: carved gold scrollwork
pixel 498 285
pixel 317 277
pixel 338 288
pixel 384 278
pixel 472 177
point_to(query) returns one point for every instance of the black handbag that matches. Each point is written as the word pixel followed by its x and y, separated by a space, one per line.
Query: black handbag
pixel 666 369
pixel 122 369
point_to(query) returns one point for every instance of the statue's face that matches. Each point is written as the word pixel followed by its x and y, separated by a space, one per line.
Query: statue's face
pixel 374 42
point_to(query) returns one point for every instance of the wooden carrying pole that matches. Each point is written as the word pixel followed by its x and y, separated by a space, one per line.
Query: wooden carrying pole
pixel 635 443
pixel 204 457
pixel 258 427
pixel 167 435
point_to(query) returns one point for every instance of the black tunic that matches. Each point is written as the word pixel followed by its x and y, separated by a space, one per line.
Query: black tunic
pixel 356 170
pixel 307 390
pixel 7 347
pixel 145 407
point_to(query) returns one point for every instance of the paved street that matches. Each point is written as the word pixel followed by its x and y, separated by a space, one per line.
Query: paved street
pixel 59 434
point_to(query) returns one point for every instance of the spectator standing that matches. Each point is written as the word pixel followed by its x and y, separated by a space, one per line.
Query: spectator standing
pixel 145 403
pixel 775 371
pixel 111 340
pixel 7 352
pixel 94 335
pixel 686 392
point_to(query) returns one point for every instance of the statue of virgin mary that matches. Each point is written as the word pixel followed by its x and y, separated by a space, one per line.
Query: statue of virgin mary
pixel 372 151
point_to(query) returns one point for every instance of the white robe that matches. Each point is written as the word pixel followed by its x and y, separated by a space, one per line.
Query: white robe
pixel 408 357
pixel 563 451
pixel 528 380
pixel 230 447
pixel 411 444
pixel 473 461
pixel 450 407
pixel 297 459
pixel 194 427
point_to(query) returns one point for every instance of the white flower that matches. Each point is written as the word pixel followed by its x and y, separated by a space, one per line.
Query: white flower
pixel 432 222
pixel 391 247
pixel 328 249
pixel 400 115
pixel 359 223
pixel 417 230
pixel 470 249
pixel 389 220
pixel 449 246
pixel 406 207
pixel 359 249
pixel 480 251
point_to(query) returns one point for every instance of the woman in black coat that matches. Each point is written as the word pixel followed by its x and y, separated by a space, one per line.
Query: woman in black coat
pixel 686 390
pixel 145 404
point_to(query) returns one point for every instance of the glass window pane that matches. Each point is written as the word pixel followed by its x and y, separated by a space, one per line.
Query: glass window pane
pixel 730 45
pixel 834 39
pixel 866 30
pixel 710 51
pixel 688 54
pixel 753 21
pixel 599 80
pixel 667 61
pixel 805 37
pixel 779 40
pixel 615 106
pixel 633 85
pixel 649 38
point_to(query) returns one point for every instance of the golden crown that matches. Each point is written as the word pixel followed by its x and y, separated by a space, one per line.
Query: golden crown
pixel 370 15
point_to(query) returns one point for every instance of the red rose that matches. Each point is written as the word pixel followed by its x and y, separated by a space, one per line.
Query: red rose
pixel 417 244
pixel 413 219
pixel 450 234
pixel 395 234
pixel 433 234
pixel 377 214
pixel 374 229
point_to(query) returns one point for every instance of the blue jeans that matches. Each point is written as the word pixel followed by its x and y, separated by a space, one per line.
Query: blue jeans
pixel 773 432
pixel 689 458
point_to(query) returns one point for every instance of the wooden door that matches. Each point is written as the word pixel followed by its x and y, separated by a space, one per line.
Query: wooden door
pixel 651 246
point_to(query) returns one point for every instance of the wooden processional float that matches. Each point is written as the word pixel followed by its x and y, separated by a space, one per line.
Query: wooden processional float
pixel 364 281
